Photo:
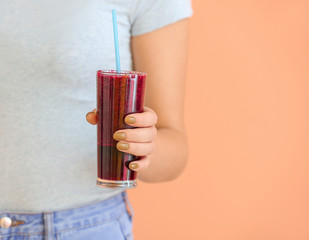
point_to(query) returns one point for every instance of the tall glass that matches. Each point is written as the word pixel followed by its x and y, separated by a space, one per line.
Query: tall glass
pixel 118 94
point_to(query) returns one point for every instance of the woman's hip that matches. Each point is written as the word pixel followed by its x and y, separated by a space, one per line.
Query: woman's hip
pixel 108 219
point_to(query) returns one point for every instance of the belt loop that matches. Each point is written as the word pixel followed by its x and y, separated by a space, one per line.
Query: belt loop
pixel 128 204
pixel 48 225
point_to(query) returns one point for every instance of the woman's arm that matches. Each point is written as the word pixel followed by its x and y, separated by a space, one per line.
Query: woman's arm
pixel 162 54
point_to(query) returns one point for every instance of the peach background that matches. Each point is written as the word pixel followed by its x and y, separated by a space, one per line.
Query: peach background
pixel 248 124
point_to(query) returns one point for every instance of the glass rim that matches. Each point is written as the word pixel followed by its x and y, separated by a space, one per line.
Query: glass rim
pixel 122 72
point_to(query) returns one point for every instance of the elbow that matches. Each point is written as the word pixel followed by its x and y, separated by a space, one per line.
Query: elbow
pixel 181 166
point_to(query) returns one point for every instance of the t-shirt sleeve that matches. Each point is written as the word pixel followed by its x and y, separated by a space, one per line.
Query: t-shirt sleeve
pixel 149 15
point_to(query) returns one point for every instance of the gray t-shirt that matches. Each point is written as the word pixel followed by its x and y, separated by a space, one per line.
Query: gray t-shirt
pixel 49 54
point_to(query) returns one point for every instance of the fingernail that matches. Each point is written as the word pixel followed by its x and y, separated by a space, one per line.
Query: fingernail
pixel 130 120
pixel 119 136
pixel 133 166
pixel 123 146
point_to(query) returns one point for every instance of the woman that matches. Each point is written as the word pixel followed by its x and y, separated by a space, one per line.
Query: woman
pixel 50 51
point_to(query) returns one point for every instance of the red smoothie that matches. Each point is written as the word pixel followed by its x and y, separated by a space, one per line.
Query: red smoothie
pixel 118 94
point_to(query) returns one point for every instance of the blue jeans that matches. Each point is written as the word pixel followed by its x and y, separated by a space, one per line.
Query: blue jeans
pixel 110 219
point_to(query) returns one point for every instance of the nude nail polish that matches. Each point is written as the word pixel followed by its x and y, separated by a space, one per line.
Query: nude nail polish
pixel 119 136
pixel 130 120
pixel 123 146
pixel 133 166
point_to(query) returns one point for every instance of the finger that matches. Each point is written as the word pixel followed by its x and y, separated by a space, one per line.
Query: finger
pixel 147 118
pixel 140 165
pixel 91 117
pixel 137 149
pixel 138 135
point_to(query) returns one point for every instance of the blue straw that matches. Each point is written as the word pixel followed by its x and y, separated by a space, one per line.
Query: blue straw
pixel 116 41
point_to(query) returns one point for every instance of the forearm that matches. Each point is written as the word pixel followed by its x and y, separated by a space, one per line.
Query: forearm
pixel 162 54
pixel 169 158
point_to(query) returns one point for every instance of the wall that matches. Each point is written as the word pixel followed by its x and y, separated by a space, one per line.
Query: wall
pixel 247 115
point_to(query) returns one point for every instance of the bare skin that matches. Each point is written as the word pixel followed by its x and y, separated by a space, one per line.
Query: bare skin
pixel 160 135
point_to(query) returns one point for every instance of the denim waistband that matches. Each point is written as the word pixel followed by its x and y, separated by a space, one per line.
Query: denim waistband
pixel 64 220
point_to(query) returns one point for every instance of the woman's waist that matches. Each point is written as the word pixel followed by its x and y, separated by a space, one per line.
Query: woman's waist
pixel 90 214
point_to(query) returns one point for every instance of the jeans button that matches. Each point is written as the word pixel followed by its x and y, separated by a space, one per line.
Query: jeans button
pixel 5 222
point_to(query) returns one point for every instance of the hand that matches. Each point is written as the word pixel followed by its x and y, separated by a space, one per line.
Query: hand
pixel 139 141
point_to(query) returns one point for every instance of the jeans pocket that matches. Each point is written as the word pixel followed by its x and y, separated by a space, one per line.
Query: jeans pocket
pixel 15 237
pixel 129 208
pixel 107 231
pixel 125 222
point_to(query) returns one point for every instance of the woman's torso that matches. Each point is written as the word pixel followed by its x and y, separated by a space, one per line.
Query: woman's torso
pixel 49 54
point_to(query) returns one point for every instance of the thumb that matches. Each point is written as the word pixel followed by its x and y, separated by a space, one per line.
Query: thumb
pixel 91 117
